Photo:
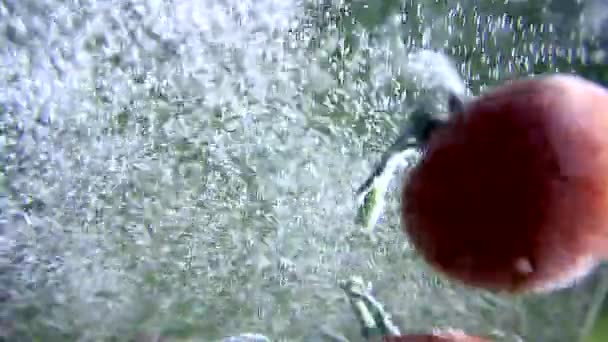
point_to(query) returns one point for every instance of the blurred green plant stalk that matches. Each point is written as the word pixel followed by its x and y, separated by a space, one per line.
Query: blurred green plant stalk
pixel 596 322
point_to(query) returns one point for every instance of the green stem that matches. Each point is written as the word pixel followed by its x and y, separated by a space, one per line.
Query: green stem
pixel 591 321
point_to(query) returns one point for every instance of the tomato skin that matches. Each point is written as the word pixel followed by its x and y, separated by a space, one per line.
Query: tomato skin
pixel 512 194
pixel 440 337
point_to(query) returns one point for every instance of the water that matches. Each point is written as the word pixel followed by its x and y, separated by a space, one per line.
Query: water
pixel 187 167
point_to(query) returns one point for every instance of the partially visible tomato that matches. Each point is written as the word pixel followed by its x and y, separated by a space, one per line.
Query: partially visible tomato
pixel 512 193
pixel 446 336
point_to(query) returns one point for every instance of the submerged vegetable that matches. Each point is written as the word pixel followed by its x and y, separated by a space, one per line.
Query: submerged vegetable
pixel 511 193
pixel 445 336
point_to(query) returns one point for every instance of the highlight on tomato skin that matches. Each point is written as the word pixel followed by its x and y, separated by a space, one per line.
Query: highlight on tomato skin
pixel 511 194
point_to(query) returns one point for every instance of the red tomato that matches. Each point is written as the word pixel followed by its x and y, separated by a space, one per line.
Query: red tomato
pixel 512 193
pixel 448 336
